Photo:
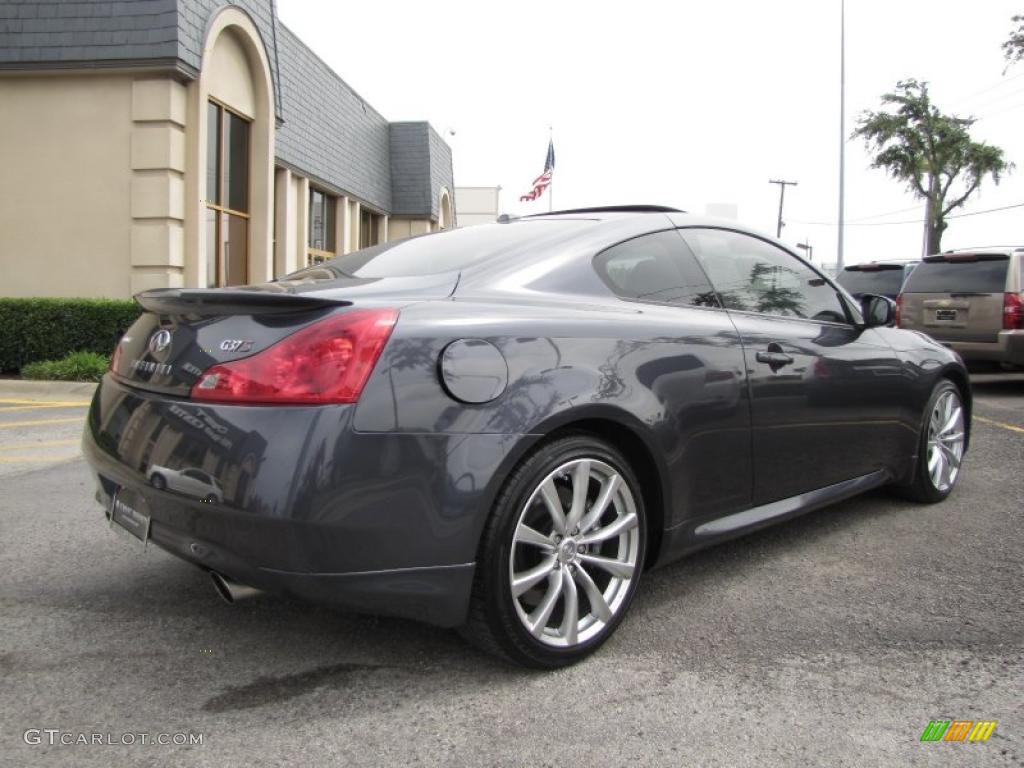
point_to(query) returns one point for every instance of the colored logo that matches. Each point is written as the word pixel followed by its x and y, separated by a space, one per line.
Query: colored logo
pixel 958 730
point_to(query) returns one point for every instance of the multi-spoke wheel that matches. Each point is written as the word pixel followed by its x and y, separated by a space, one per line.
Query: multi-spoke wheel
pixel 561 556
pixel 945 440
pixel 942 446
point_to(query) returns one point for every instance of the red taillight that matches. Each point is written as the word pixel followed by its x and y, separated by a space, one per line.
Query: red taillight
pixel 1013 312
pixel 326 362
pixel 899 309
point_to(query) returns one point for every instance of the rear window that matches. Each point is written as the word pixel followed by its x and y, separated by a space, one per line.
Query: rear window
pixel 986 275
pixel 452 250
pixel 885 280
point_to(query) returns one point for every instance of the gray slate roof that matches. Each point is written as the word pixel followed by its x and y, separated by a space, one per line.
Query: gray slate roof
pixel 328 131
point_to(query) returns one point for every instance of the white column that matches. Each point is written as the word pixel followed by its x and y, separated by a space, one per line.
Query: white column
pixel 340 225
pixel 284 222
pixel 357 219
pixel 301 221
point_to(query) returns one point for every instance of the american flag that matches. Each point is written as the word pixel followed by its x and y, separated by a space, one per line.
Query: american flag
pixel 541 182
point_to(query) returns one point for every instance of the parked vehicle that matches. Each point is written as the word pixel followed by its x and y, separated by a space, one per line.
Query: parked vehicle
pixel 190 481
pixel 500 428
pixel 972 302
pixel 882 278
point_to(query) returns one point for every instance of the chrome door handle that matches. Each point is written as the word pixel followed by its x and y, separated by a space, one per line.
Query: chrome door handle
pixel 774 357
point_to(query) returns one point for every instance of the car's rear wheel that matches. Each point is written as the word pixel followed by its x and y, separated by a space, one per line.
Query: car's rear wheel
pixel 561 555
pixel 942 444
pixel 158 482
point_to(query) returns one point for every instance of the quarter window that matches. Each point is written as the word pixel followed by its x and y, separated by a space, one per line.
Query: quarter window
pixel 658 268
pixel 752 275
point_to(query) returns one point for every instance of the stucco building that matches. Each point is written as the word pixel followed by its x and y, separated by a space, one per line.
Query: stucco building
pixel 166 143
pixel 477 205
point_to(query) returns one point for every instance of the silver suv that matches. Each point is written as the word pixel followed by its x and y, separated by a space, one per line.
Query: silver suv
pixel 971 301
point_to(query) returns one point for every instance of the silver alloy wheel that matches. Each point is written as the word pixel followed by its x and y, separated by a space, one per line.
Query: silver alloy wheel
pixel 574 553
pixel 945 441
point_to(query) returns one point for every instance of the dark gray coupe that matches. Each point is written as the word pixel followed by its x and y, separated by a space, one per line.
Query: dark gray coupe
pixel 500 428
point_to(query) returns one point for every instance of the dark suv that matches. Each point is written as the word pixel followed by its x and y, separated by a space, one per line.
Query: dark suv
pixel 882 278
pixel 971 301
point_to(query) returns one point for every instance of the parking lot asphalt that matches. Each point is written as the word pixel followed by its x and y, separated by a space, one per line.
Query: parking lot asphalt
pixel 830 640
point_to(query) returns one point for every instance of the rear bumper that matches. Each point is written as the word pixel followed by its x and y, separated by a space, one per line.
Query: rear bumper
pixel 381 523
pixel 1008 348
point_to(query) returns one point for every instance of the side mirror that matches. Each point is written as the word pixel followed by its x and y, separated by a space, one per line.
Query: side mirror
pixel 877 310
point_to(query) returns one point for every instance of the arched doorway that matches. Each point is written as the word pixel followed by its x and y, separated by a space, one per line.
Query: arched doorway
pixel 444 211
pixel 229 226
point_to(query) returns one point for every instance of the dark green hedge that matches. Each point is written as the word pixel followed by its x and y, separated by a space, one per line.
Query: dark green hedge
pixel 33 330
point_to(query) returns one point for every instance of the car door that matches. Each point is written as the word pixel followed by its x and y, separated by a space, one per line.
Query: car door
pixel 823 391
pixel 694 372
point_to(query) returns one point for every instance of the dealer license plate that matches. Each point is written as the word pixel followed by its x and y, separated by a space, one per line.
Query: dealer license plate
pixel 127 517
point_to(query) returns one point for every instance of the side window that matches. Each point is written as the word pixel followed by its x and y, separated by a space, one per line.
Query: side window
pixel 754 276
pixel 658 268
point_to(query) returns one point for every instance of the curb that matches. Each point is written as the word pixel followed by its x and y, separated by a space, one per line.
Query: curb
pixel 47 390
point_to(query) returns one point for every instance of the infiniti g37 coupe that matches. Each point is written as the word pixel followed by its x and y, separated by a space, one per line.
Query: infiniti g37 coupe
pixel 501 428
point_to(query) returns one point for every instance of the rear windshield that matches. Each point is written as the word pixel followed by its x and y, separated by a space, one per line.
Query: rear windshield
pixel 986 275
pixel 453 250
pixel 887 280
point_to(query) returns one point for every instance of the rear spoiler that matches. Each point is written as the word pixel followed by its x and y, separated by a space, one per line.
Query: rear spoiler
pixel 870 267
pixel 965 257
pixel 230 301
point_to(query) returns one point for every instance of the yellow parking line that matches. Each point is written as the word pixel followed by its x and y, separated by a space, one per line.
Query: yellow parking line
pixel 9 401
pixel 995 423
pixel 6 408
pixel 40 445
pixel 4 425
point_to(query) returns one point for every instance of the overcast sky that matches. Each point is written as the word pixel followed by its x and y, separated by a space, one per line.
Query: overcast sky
pixel 687 103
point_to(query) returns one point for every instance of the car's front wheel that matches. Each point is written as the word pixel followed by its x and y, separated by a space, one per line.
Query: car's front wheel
pixel 943 441
pixel 561 555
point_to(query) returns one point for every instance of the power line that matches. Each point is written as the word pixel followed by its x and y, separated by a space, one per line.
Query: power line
pixel 983 91
pixel 908 221
pixel 1000 111
pixel 887 213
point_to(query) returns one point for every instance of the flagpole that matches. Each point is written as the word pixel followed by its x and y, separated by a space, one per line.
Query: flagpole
pixel 842 133
pixel 551 185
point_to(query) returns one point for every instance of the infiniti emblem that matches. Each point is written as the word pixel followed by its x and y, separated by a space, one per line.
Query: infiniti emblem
pixel 159 342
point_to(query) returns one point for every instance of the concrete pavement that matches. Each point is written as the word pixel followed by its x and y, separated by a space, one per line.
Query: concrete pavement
pixel 40 423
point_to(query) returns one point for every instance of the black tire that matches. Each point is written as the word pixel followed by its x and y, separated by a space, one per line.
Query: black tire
pixel 158 482
pixel 493 624
pixel 921 488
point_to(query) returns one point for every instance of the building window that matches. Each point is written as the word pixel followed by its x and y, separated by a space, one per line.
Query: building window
pixel 322 224
pixel 227 193
pixel 369 228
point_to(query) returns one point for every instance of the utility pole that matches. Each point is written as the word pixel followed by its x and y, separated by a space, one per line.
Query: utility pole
pixel 782 198
pixel 842 131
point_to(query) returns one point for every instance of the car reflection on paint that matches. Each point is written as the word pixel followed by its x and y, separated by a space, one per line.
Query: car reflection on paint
pixel 190 481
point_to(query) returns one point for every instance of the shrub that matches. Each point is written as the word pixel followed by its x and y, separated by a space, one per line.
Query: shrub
pixel 78 366
pixel 33 330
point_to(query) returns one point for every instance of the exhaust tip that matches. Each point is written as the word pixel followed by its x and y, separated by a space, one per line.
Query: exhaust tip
pixel 231 591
